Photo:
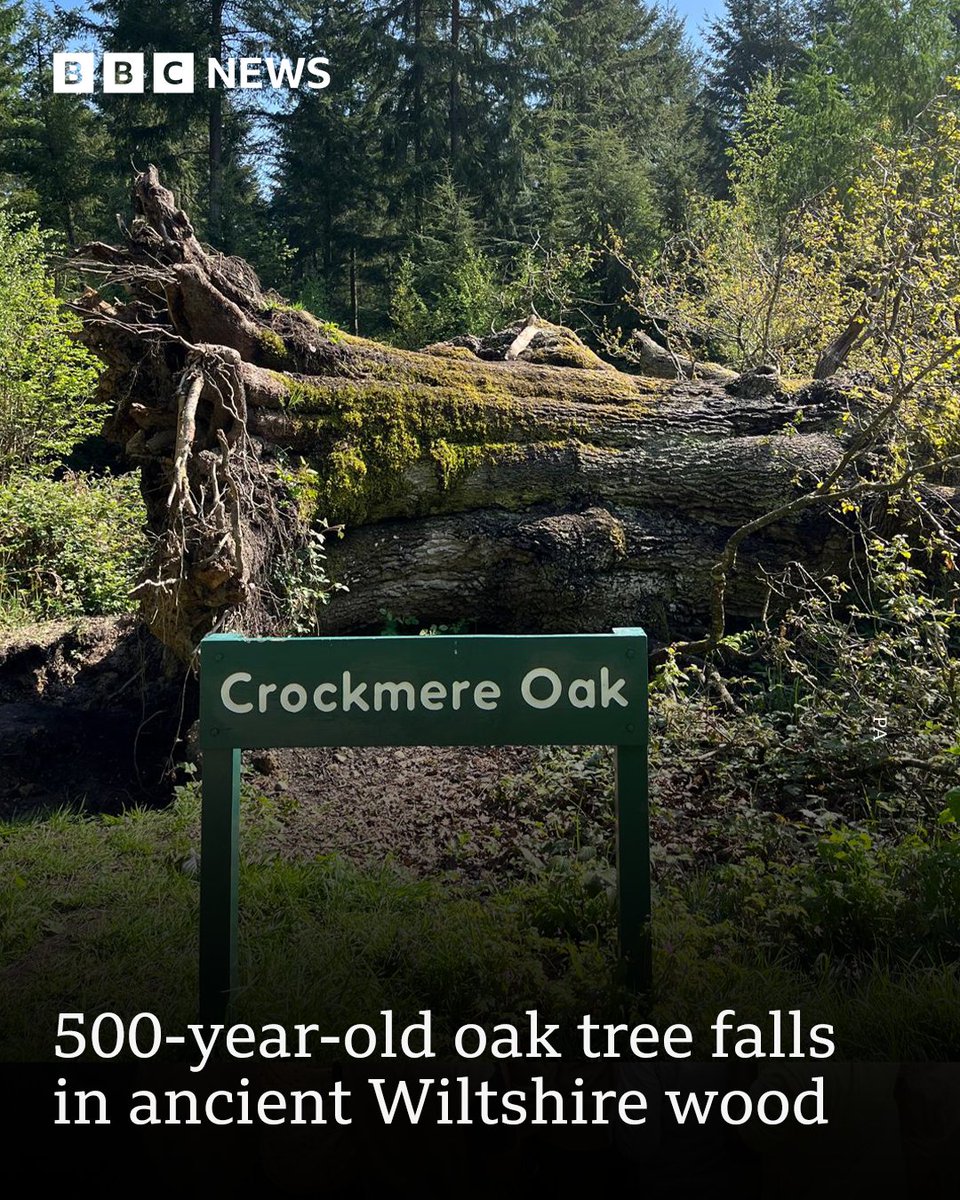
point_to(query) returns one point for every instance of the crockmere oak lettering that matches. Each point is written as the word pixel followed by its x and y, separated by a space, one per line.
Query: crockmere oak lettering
pixel 540 688
pixel 585 689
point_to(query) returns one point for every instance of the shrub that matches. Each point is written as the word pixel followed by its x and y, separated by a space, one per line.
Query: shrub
pixel 69 546
pixel 46 378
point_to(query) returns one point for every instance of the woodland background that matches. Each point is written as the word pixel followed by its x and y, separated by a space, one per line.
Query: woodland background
pixel 782 196
pixel 470 159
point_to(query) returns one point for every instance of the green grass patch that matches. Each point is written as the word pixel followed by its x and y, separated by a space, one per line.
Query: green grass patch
pixel 101 915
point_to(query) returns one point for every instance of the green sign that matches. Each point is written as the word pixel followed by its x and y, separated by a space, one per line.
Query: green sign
pixel 588 689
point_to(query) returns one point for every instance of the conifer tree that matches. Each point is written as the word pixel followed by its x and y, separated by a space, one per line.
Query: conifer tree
pixel 52 145
pixel 752 38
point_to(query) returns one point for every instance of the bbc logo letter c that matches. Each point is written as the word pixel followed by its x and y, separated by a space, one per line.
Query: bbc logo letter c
pixel 173 73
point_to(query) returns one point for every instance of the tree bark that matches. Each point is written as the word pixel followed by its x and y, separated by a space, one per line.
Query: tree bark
pixel 454 115
pixel 215 129
pixel 544 491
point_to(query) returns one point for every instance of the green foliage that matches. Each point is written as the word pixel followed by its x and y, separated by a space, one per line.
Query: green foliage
pixel 302 579
pixel 46 378
pixel 873 64
pixel 395 626
pixel 823 133
pixel 53 149
pixel 11 14
pixel 728 291
pixel 559 286
pixel 447 285
pixel 305 586
pixel 613 140
pixel 760 276
pixel 342 942
pixel 556 284
pixel 824 838
pixel 850 895
pixel 409 314
pixel 904 303
pixel 750 40
pixel 555 124
pixel 320 936
pixel 893 58
pixel 852 702
pixel 548 139
pixel 69 546
pixel 805 816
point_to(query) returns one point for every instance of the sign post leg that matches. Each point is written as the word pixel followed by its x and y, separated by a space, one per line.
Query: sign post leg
pixel 633 865
pixel 219 871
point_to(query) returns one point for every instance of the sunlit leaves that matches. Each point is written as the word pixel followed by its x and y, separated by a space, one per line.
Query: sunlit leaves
pixel 46 378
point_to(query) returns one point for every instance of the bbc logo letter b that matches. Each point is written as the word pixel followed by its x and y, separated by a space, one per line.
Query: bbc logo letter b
pixel 73 72
pixel 123 72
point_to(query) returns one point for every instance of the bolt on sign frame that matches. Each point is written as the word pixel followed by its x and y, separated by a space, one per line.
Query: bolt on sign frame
pixel 477 690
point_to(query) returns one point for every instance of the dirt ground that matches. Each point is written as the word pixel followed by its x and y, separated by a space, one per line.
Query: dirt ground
pixel 87 717
pixel 428 809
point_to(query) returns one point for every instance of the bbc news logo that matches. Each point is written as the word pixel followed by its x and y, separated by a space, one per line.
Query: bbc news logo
pixel 176 73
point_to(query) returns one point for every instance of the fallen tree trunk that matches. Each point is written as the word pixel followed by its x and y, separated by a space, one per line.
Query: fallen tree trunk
pixel 516 482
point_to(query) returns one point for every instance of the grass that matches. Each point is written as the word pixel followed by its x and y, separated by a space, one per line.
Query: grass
pixel 100 914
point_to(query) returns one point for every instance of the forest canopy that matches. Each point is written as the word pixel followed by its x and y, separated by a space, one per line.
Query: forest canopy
pixel 471 160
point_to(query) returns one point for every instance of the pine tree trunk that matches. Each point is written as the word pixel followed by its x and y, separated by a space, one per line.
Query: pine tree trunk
pixel 454 116
pixel 215 122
